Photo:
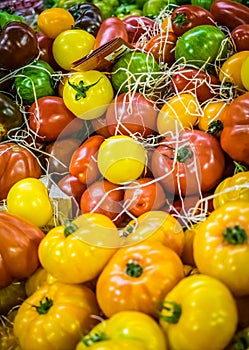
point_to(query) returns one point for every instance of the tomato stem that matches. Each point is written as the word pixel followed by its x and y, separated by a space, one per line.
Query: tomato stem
pixel 44 306
pixel 214 127
pixel 81 89
pixel 184 153
pixel 92 338
pixel 180 19
pixel 174 311
pixel 239 168
pixel 235 235
pixel 70 228
pixel 133 269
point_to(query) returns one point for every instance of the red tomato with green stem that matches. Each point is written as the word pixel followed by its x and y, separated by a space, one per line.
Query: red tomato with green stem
pixel 188 163
pixel 131 113
pixel 48 117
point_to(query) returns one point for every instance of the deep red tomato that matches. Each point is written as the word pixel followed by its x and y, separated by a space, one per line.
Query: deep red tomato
pixel 138 26
pixel 103 197
pixel 234 137
pixel 144 195
pixel 16 163
pixel 100 126
pixel 72 186
pixel 188 16
pixel 111 28
pixel 188 163
pixel 49 117
pixel 205 86
pixel 45 46
pixel 131 113
pixel 83 163
pixel 161 46
pixel 240 35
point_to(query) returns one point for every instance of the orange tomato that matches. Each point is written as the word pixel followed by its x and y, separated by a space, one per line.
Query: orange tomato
pixel 213 116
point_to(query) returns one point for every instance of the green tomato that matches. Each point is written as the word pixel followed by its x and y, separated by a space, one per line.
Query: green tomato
pixel 71 45
pixel 28 198
pixel 35 81
pixel 201 46
pixel 121 159
pixel 244 73
pixel 152 8
pixel 202 3
pixel 134 68
pixel 106 9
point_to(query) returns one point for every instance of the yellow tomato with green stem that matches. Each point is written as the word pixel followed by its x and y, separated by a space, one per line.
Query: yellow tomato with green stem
pixel 29 199
pixel 221 246
pixel 199 313
pixel 87 94
pixel 121 329
pixel 54 316
pixel 78 251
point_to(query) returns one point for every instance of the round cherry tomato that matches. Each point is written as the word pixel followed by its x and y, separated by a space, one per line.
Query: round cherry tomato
pixel 121 159
pixel 240 35
pixel 161 46
pixel 103 197
pixel 87 94
pixel 29 199
pixel 48 117
pixel 71 45
pixel 144 195
pixel 213 116
pixel 54 21
pixel 131 113
pixel 179 112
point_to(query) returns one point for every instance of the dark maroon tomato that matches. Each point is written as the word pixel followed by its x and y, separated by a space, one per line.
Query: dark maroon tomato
pixel 45 46
pixel 49 118
pixel 205 86
pixel 240 35
pixel 189 16
pixel 131 114
pixel 137 26
pixel 230 13
pixel 161 46
pixel 72 186
pixel 100 127
pixel 105 198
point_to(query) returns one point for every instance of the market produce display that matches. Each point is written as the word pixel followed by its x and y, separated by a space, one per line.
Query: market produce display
pixel 124 181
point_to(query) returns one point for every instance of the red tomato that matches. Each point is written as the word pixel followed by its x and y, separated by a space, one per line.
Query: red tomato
pixel 138 26
pixel 144 195
pixel 49 117
pixel 240 35
pixel 100 126
pixel 103 197
pixel 161 46
pixel 131 113
pixel 83 163
pixel 45 46
pixel 111 28
pixel 205 86
pixel 72 186
pixel 188 163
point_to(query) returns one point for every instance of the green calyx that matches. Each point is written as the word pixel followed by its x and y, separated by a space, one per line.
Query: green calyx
pixel 180 19
pixel 44 306
pixel 81 89
pixel 184 153
pixel 235 235
pixel 133 269
pixel 70 228
pixel 174 311
pixel 92 338
pixel 215 127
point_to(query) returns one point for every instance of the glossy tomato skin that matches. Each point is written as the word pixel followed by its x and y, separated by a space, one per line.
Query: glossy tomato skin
pixel 16 163
pixel 188 16
pixel 19 248
pixel 103 197
pixel 240 35
pixel 144 195
pixel 72 186
pixel 234 136
pixel 137 26
pixel 204 85
pixel 45 47
pixel 190 46
pixel 162 46
pixel 230 13
pixel 136 271
pixel 131 113
pixel 49 116
pixel 82 164
pixel 200 161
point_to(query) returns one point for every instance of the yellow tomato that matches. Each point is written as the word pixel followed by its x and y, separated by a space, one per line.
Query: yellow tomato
pixel 212 119
pixel 244 73
pixel 231 69
pixel 199 313
pixel 121 159
pixel 179 112
pixel 29 199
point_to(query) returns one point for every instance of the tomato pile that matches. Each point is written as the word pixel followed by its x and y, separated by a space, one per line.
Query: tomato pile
pixel 124 182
